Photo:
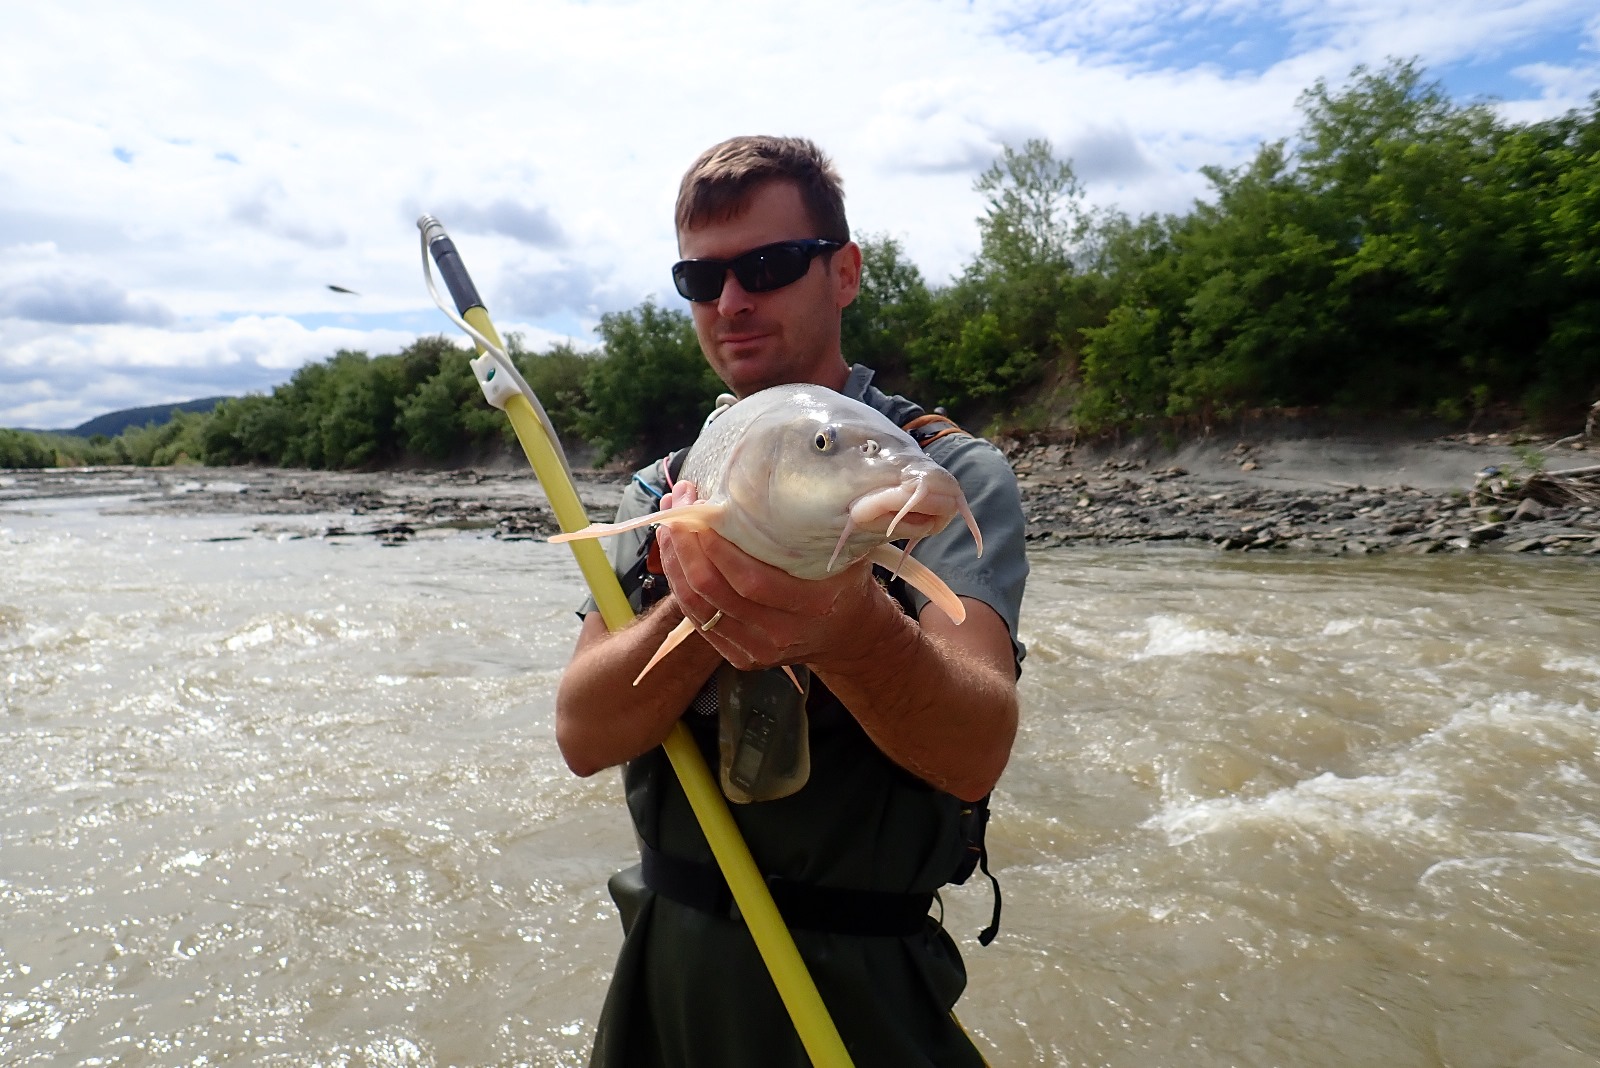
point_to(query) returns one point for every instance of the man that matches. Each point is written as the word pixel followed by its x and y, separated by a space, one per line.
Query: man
pixel 911 716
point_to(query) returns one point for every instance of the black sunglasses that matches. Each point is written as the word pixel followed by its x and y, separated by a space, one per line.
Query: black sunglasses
pixel 760 270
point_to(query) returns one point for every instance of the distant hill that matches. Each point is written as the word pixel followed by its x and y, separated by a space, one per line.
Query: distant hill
pixel 113 423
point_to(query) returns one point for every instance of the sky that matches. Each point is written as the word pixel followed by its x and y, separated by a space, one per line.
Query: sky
pixel 181 182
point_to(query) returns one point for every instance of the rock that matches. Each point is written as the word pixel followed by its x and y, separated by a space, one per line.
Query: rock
pixel 1528 509
pixel 1487 532
pixel 1420 547
pixel 1524 545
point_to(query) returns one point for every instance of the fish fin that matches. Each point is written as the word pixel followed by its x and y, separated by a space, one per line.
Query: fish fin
pixel 972 525
pixel 920 578
pixel 701 515
pixel 673 639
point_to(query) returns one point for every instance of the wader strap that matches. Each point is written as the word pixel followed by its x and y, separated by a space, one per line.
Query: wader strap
pixel 811 908
pixel 974 818
pixel 927 429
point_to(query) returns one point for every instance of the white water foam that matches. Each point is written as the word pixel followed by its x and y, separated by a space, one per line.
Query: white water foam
pixel 1167 635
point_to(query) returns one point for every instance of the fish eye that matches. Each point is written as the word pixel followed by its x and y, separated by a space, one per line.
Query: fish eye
pixel 823 441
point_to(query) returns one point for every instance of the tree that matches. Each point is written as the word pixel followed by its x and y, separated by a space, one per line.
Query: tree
pixel 1016 312
pixel 558 376
pixel 889 313
pixel 652 388
pixel 1559 167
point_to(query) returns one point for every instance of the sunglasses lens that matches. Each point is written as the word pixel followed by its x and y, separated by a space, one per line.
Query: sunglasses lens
pixel 699 280
pixel 772 267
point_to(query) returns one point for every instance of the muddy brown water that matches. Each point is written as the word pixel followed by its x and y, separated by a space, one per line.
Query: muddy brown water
pixel 287 801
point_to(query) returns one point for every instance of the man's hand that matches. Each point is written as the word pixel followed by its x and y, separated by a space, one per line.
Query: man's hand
pixel 768 617
pixel 936 697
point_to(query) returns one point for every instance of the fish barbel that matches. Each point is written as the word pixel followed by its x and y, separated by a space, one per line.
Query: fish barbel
pixel 810 481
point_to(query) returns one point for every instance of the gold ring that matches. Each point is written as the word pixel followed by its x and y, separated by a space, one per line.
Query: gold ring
pixel 712 622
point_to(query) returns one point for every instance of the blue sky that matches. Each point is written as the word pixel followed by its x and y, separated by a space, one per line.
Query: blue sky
pixel 180 182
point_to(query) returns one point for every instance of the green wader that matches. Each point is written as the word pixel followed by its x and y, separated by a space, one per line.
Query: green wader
pixel 690 988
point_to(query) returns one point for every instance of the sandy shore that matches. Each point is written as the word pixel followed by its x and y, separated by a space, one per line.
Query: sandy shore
pixel 1325 495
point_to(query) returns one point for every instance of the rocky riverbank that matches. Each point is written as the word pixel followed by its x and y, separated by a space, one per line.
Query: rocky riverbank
pixel 1330 496
pixel 1324 495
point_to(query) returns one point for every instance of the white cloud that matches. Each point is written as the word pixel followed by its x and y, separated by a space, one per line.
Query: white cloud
pixel 78 300
pixel 200 173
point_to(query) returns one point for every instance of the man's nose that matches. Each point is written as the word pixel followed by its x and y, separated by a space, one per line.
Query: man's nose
pixel 735 298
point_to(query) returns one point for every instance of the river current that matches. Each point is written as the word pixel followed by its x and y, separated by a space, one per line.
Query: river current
pixel 298 802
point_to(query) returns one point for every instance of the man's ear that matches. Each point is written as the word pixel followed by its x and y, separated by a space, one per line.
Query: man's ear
pixel 845 270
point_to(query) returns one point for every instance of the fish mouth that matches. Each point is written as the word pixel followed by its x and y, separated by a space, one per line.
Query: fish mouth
pixel 921 505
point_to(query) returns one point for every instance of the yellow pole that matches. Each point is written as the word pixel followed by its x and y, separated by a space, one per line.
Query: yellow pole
pixel 811 1020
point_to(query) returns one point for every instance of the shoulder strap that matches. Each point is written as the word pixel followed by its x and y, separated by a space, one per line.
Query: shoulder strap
pixel 643 577
pixel 926 429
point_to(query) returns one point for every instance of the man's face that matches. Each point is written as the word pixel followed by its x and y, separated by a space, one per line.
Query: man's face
pixel 756 340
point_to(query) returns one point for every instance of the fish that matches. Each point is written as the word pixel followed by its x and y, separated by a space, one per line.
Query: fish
pixel 811 481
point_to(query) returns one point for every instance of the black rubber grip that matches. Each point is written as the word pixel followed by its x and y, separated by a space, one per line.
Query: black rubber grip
pixel 454 273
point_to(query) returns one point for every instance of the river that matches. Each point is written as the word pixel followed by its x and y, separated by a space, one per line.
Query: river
pixel 292 801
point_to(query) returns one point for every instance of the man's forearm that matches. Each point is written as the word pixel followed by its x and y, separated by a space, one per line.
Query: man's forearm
pixel 945 712
pixel 602 719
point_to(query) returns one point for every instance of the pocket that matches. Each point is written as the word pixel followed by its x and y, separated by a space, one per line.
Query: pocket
pixel 628 891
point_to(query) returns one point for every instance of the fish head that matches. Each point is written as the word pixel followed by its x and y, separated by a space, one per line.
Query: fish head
pixel 831 478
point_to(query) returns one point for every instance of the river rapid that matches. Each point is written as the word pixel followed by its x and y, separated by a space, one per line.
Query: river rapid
pixel 287 801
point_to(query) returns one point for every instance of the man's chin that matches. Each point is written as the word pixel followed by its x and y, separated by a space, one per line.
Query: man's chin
pixel 750 370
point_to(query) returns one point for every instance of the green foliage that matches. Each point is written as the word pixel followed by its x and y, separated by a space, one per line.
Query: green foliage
pixel 1409 254
pixel 348 411
pixel 891 311
pixel 558 377
pixel 1532 460
pixel 177 441
pixel 652 389
pixel 18 448
pixel 1019 308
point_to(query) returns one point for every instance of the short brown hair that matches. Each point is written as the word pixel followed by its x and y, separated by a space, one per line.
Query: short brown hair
pixel 719 184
